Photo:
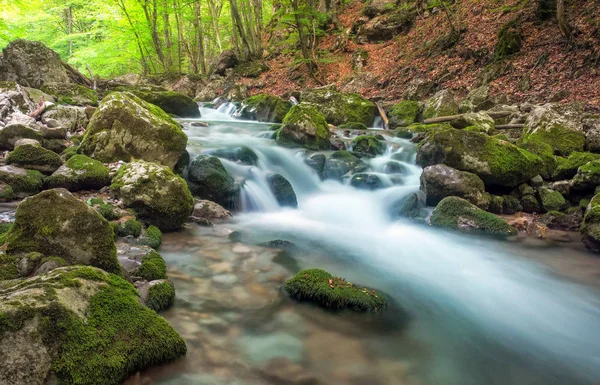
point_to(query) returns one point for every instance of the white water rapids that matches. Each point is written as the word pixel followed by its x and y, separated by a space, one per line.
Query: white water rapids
pixel 490 315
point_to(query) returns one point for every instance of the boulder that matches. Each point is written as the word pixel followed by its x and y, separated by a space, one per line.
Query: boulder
pixel 80 173
pixel 251 69
pixel 222 87
pixel 244 155
pixel 126 127
pixel 70 117
pixel 551 200
pixel 11 133
pixel 282 190
pixel 55 145
pixel 210 211
pixel 341 163
pixel 264 108
pixel 367 181
pixel 227 59
pixel 479 99
pixel 476 121
pixel 53 132
pixel 34 157
pixel 23 182
pixel 368 144
pixel 568 221
pixel 339 108
pixel 71 94
pixel 495 161
pixel 304 126
pixel 590 228
pixel 587 177
pixel 403 114
pixel 316 162
pixel 32 64
pixel 458 214
pixel 14 98
pixel 567 167
pixel 440 181
pixel 55 223
pixel 441 104
pixel 79 325
pixel 387 26
pixel 158 196
pixel 25 141
pixel 208 179
pixel 530 204
pixel 171 102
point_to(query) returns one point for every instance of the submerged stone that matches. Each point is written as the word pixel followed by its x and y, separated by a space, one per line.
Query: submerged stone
pixel 282 190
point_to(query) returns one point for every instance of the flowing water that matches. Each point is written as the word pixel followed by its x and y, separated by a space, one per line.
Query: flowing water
pixel 468 310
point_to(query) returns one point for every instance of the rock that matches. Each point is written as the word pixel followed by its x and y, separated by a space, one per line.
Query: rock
pixel 13 98
pixel 282 190
pixel 71 94
pixel 282 371
pixel 441 104
pixel 567 168
pixel 479 99
pixel 495 161
pixel 592 139
pixel 188 85
pixel 587 177
pixel 53 133
pixel 322 288
pixel 210 211
pixel 126 127
pixel 536 181
pixel 316 162
pixel 562 186
pixel 551 200
pixel 250 69
pixel 387 26
pixel 225 88
pixel 227 59
pixel 457 213
pixel 11 133
pixel 408 207
pixel 530 204
pixel 6 192
pixel 158 295
pixel 590 228
pixel 341 163
pixel 496 204
pixel 441 181
pixel 34 157
pixel 90 327
pixel 55 223
pixel 70 117
pixel 339 108
pixel 80 173
pixel 510 205
pixel 264 108
pixel 367 181
pixel 569 221
pixel 23 182
pixel 304 126
pixel 208 179
pixel 509 40
pixel 523 189
pixel 368 144
pixel 403 114
pixel 476 121
pixel 55 145
pixel 244 155
pixel 171 102
pixel 158 196
pixel 32 64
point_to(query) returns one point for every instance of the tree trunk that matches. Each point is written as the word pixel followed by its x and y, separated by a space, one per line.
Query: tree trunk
pixel 199 37
pixel 302 37
pixel 151 19
pixel 69 20
pixel 167 35
pixel 561 15
pixel 121 5
pixel 176 11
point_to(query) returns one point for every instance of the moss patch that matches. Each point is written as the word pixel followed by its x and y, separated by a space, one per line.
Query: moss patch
pixel 161 296
pixel 153 267
pixel 152 237
pixel 304 126
pixel 368 144
pixel 563 140
pixel 567 168
pixel 80 173
pixel 130 227
pixel 403 114
pixel 72 94
pixel 34 158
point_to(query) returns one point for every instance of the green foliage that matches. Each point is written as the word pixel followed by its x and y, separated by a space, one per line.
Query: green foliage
pixel 153 267
pixel 322 288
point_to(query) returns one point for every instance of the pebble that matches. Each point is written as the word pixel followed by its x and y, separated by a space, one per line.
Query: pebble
pixel 225 279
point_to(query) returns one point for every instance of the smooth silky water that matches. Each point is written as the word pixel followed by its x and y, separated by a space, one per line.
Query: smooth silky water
pixel 468 310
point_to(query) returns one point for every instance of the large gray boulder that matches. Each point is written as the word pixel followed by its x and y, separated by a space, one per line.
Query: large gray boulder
pixel 70 117
pixel 440 181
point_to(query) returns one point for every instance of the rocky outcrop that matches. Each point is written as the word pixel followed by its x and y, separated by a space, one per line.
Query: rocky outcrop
pixel 441 181
pixel 441 104
pixel 304 126
pixel 227 59
pixel 159 197
pixel 126 127
pixel 171 102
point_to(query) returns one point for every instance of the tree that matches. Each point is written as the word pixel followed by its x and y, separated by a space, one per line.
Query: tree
pixel 563 23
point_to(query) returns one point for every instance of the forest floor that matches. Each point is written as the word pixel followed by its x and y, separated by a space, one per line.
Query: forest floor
pixel 547 68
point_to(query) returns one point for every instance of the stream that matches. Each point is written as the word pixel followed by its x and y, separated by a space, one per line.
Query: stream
pixel 467 310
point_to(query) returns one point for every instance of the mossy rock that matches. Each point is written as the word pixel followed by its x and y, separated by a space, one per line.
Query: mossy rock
pixel 511 205
pixel 244 155
pixel 23 182
pixel 55 223
pixel 282 190
pixel 159 197
pixel 251 69
pixel 328 291
pixel 441 104
pixel 34 157
pixel 419 128
pixel 590 228
pixel 458 214
pixel 440 181
pixel 72 94
pixel 152 237
pixel 551 200
pixel 265 108
pixel 562 139
pixel 587 177
pixel 8 270
pixel 69 152
pixel 304 126
pixel 153 267
pixel 509 40
pixel 130 227
pixel 367 181
pixel 475 121
pixel 545 152
pixel 353 126
pixel 161 295
pixel 171 102
pixel 567 167
pixel 80 326
pixel 10 134
pixel 80 173
pixel 341 163
pixel 403 114
pixel 125 127
pixel 496 162
pixel 208 179
pixel 6 192
pixel 530 204
pixel 55 145
pixel 368 144
pixel 339 108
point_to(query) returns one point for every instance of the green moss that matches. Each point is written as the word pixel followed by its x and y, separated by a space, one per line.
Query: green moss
pixel 368 144
pixel 509 40
pixel 115 228
pixel 322 288
pixel 153 267
pixel 55 145
pixel 339 108
pixel 403 114
pixel 161 296
pixel 545 152
pixel 72 94
pixel 250 69
pixel 563 140
pixel 108 211
pixel 8 267
pixel 353 126
pixel 417 128
pixel 170 101
pixel 567 168
pixel 265 108
pixel 457 213
pixel 130 227
pixel 304 126
pixel 59 261
pixel 81 173
pixel 152 237
pixel 69 152
pixel 551 200
pixel 95 201
pixel 34 158
pixel 13 132
pixel 6 192
pixel 4 229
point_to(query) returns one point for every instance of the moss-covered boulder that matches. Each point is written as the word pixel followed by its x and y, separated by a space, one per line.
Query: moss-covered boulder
pixel 441 181
pixel 171 102
pixel 304 126
pixel 55 223
pixel 12 133
pixel 546 154
pixel 353 126
pixel 342 163
pixel 34 157
pixel 264 108
pixel 509 40
pixel 403 114
pixel 80 173
pixel 158 196
pixel 567 167
pixel 479 120
pixel 551 200
pixel 251 69
pixel 495 161
pixel 151 236
pixel 208 179
pixel 80 326
pixel 339 108
pixel 72 94
pixel 244 155
pixel 562 139
pixel 441 104
pixel 459 214
pixel 126 127
pixel 282 190
pixel 70 117
pixel 587 177
pixel 369 145
pixel 590 228
pixel 419 131
pixel 160 295
pixel 23 182
pixel 530 204
pixel 568 221
pixel 320 287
